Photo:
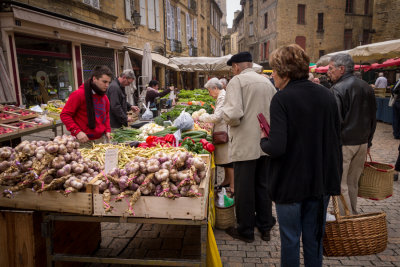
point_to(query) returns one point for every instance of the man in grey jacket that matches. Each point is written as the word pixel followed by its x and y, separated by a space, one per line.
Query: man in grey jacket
pixel 247 95
pixel 357 110
pixel 117 97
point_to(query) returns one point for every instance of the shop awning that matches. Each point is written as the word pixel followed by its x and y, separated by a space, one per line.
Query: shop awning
pixel 207 64
pixel 160 59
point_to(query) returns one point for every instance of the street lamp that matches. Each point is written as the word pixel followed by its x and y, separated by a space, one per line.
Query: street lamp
pixel 135 21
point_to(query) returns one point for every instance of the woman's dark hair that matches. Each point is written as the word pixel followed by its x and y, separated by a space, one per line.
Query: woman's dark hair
pixel 153 83
pixel 99 71
pixel 290 61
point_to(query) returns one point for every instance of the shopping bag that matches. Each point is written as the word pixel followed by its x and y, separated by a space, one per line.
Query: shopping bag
pixel 147 115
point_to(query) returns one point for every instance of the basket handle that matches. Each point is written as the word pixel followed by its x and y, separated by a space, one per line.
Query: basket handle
pixel 368 155
pixel 335 201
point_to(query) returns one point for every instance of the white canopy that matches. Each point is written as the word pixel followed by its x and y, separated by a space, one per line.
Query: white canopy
pixel 376 51
pixel 207 64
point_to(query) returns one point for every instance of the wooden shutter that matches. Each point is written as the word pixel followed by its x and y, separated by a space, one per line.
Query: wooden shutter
pixel 167 7
pixel 178 23
pixel 195 32
pixel 301 41
pixel 142 12
pixel 128 12
pixel 157 9
pixel 261 51
pixel 187 28
pixel 150 13
pixel 172 22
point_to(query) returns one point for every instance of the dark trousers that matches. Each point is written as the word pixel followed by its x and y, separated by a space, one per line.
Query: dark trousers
pixel 297 220
pixel 253 206
pixel 397 166
pixel 396 119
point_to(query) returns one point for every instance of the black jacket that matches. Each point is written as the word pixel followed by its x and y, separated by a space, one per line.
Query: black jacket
pixel 357 110
pixel 118 105
pixel 304 143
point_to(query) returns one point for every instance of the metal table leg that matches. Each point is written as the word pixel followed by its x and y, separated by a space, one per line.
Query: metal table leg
pixel 203 240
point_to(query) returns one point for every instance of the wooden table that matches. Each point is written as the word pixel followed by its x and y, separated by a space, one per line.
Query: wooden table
pixel 35 130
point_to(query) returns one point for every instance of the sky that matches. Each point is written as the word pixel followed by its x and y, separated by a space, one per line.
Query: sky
pixel 231 6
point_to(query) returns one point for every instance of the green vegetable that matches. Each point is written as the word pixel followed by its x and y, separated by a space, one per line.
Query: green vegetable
pixel 168 130
pixel 125 134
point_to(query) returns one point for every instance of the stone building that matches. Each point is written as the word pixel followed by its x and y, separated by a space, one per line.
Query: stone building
pixel 51 46
pixel 385 20
pixel 319 27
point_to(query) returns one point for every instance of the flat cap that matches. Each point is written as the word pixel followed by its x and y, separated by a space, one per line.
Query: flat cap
pixel 240 57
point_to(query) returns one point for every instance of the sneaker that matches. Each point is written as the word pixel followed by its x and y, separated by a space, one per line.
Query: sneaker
pixel 330 217
pixel 233 232
pixel 266 236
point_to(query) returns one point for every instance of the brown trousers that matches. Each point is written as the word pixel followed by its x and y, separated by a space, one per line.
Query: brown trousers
pixel 353 165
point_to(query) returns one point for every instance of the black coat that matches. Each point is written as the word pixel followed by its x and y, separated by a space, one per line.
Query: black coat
pixel 357 110
pixel 304 143
pixel 118 105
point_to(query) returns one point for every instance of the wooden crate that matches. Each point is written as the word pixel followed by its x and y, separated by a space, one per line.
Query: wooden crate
pixel 22 243
pixel 160 207
pixel 15 117
pixel 79 203
pixel 15 130
pixel 33 125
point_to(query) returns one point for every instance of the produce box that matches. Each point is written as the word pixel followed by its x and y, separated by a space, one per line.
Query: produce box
pixel 24 126
pixel 6 117
pixel 160 207
pixel 79 203
pixel 7 130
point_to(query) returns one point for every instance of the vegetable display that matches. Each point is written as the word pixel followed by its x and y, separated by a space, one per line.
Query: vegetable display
pixel 125 134
pixel 195 95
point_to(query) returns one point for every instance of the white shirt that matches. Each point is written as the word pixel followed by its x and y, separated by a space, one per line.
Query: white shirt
pixel 381 82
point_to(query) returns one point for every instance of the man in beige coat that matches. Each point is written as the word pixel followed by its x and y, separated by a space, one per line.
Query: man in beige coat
pixel 247 95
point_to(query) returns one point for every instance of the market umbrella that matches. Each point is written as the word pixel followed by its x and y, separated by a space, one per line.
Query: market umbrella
pixel 376 51
pixel 7 93
pixel 146 66
pixel 130 89
pixel 324 60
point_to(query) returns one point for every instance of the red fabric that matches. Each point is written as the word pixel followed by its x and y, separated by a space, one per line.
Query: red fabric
pixel 74 114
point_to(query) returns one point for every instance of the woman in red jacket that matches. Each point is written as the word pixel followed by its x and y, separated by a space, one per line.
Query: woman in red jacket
pixel 87 111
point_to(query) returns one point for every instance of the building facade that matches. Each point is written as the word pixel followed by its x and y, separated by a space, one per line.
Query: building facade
pixel 385 21
pixel 320 27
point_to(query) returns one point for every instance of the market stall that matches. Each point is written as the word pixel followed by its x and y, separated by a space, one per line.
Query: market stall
pixel 156 174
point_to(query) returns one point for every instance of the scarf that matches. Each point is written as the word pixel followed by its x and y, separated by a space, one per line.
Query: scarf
pixel 89 88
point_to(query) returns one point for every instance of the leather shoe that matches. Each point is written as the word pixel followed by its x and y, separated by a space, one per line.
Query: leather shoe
pixel 266 236
pixel 233 232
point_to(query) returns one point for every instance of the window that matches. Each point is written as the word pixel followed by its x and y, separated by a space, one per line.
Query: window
pixel 366 7
pixel 93 3
pixel 365 37
pixel 301 41
pixel 320 22
pixel 250 7
pixel 251 31
pixel 348 35
pixel 266 50
pixel 266 20
pixel 349 6
pixel 321 53
pixel 301 14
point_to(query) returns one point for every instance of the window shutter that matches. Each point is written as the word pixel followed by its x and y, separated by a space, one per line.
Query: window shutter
pixel 187 28
pixel 167 6
pixel 150 12
pixel 261 51
pixel 195 32
pixel 142 12
pixel 212 15
pixel 128 12
pixel 172 22
pixel 178 23
pixel 157 8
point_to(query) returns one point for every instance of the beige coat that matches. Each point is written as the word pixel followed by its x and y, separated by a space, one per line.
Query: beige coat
pixel 247 95
pixel 221 152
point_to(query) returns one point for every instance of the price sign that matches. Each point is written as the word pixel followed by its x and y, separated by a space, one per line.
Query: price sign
pixel 111 159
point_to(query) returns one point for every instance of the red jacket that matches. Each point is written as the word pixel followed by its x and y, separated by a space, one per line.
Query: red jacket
pixel 74 114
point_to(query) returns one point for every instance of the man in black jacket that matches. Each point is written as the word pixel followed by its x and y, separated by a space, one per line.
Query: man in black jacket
pixel 117 96
pixel 357 110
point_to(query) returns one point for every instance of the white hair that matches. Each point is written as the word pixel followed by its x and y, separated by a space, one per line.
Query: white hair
pixel 380 74
pixel 212 83
pixel 128 73
pixel 223 81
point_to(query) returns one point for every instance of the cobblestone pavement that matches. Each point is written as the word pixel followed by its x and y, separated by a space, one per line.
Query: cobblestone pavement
pixel 164 241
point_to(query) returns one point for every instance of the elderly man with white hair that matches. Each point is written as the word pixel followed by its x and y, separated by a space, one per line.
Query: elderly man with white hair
pixel 117 97
pixel 224 82
pixel 221 153
pixel 381 82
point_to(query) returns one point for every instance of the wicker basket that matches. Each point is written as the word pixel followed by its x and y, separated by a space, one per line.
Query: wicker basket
pixel 376 181
pixel 224 217
pixel 354 235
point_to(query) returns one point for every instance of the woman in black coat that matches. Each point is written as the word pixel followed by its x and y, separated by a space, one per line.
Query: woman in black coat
pixel 305 155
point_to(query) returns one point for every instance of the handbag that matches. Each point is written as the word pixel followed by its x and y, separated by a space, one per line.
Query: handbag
pixel 220 137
